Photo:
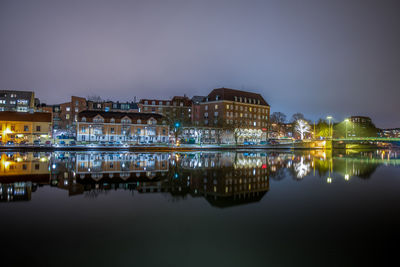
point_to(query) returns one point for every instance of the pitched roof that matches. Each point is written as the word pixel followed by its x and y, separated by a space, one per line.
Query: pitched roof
pixel 25 116
pixel 229 94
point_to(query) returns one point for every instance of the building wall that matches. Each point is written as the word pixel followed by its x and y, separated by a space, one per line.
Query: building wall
pixel 28 131
pixel 142 133
pixel 11 100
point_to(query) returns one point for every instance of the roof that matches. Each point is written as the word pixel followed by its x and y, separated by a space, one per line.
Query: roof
pixel 90 114
pixel 229 94
pixel 25 116
pixel 197 99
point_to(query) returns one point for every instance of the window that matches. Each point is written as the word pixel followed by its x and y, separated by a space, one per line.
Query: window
pixel 153 102
pixel 76 109
pixel 138 130
pixel 181 104
pixel 139 121
pixel 13 128
pixel 83 129
pixel 68 109
pixel 12 102
pixel 22 102
pixel 13 95
pixel 227 106
pixel 216 114
pixel 160 103
pixel 36 166
pixel 112 130
pixel 38 128
pixel 98 119
pixel 83 118
pixel 26 128
pixel 216 106
pixel 2 101
pixel 112 120
pixel 206 107
pixel 67 116
pixel 76 103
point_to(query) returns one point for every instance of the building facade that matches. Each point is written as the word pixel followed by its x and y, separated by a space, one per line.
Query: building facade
pixel 124 127
pixel 21 101
pixel 25 127
pixel 178 109
pixel 243 116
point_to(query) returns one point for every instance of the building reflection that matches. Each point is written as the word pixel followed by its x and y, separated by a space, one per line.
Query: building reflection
pixel 21 174
pixel 224 179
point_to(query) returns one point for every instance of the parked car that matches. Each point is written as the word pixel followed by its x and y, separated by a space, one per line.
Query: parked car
pixel 72 143
pixel 62 143
pixel 103 143
pixel 248 143
pixel 36 142
pixel 110 143
pixel 48 143
pixel 10 143
pixel 23 142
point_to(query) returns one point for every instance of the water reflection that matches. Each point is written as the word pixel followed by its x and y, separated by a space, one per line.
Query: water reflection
pixel 223 178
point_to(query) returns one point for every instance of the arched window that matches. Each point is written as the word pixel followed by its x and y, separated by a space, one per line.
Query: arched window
pixel 84 119
pixel 139 121
pixel 112 120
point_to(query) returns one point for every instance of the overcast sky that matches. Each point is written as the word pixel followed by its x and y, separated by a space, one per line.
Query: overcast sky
pixel 318 57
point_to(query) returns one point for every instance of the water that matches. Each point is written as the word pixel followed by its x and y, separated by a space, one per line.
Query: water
pixel 200 209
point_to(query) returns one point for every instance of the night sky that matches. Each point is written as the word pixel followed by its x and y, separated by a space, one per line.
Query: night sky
pixel 318 57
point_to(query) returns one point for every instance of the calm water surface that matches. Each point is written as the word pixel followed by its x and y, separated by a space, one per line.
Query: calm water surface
pixel 200 208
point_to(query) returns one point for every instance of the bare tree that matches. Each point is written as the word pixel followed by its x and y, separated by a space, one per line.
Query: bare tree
pixel 298 116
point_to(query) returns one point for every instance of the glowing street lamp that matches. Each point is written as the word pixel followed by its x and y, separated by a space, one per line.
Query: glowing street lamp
pixel 329 118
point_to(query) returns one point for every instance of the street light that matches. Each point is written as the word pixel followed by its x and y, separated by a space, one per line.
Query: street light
pixel 329 126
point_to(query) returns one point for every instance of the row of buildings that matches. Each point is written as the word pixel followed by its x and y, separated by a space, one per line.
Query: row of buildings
pixel 223 116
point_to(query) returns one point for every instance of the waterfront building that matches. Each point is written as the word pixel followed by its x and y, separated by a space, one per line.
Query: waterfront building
pixel 390 133
pixel 235 112
pixel 21 101
pixel 178 109
pixel 102 126
pixel 25 127
pixel 360 126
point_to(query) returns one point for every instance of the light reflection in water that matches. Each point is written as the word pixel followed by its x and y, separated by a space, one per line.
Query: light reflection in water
pixel 223 178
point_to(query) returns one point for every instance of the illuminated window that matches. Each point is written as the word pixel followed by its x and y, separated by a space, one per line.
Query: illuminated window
pixel 216 106
pixel 26 128
pixel 68 109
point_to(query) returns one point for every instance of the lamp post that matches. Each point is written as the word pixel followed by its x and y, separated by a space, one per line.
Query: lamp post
pixel 329 126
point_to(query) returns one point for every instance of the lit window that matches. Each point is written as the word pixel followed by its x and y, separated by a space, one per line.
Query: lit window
pixel 68 109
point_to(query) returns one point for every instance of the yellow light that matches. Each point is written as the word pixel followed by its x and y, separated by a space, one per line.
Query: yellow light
pixel 7 131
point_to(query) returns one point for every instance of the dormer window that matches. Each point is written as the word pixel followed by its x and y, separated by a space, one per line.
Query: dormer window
pixel 153 102
pixel 126 120
pixel 112 120
pixel 151 121
pixel 217 97
pixel 139 121
pixel 83 119
pixel 146 102
pixel 98 119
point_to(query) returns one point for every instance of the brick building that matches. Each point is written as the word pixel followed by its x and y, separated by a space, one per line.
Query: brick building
pixel 235 112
